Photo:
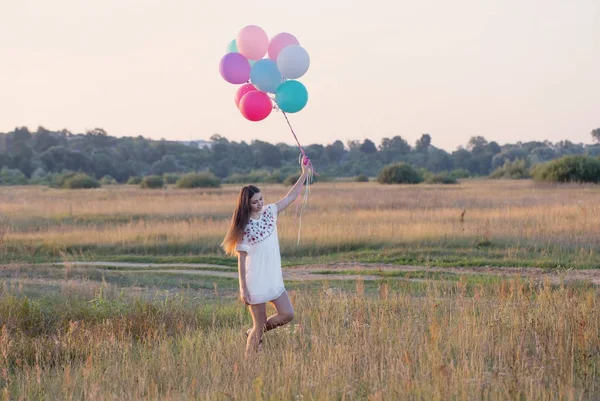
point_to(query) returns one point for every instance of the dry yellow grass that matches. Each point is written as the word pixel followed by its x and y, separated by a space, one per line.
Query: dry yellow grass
pixel 338 214
pixel 509 341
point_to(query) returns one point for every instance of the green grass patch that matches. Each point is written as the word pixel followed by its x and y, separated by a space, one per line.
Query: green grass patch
pixel 440 253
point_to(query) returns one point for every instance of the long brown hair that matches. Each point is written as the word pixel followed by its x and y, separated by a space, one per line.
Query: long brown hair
pixel 240 218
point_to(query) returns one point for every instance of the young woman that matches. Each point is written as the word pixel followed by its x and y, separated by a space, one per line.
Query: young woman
pixel 253 237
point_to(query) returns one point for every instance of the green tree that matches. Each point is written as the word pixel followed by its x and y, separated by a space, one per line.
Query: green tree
pixel 461 159
pixel 508 155
pixel 394 149
pixel 368 147
pixel 44 139
pixel 542 154
pixel 168 164
pixel 266 154
pixel 477 145
pixel 493 148
pixel 438 160
pixel 423 143
pixel 513 170
pixel 596 135
pixel 335 152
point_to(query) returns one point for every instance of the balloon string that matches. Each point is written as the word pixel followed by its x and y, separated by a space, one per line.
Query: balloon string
pixel 296 138
pixel 293 133
pixel 309 178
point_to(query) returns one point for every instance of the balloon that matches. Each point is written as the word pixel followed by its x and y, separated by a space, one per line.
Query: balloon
pixel 293 62
pixel 265 75
pixel 291 96
pixel 241 91
pixel 234 68
pixel 252 41
pixel 256 105
pixel 232 47
pixel 279 42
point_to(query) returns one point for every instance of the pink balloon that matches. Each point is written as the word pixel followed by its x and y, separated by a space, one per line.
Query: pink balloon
pixel 241 91
pixel 252 41
pixel 256 105
pixel 235 68
pixel 279 42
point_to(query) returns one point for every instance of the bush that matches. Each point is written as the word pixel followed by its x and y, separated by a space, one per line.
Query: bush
pixel 515 170
pixel 81 181
pixel 569 169
pixel 198 180
pixel 361 178
pixel 12 177
pixel 40 177
pixel 256 176
pixel 152 182
pixel 57 180
pixel 399 173
pixel 321 178
pixel 441 178
pixel 460 173
pixel 291 179
pixel 135 180
pixel 424 173
pixel 108 180
pixel 171 178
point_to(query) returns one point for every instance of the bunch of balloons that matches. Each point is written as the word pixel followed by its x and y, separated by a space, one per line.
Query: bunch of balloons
pixel 260 78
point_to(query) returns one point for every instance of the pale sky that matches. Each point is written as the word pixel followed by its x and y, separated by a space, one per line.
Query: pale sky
pixel 509 70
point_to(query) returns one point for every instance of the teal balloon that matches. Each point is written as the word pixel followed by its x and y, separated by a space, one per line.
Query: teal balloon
pixel 265 75
pixel 291 96
pixel 232 47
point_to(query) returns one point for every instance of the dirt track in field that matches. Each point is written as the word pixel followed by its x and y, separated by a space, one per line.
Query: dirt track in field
pixel 365 271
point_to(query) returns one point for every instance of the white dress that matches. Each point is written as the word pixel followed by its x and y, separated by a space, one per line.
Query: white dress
pixel 263 263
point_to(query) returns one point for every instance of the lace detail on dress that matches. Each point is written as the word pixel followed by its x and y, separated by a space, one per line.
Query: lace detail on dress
pixel 259 230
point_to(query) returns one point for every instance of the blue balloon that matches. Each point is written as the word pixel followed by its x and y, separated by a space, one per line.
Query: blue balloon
pixel 291 96
pixel 265 75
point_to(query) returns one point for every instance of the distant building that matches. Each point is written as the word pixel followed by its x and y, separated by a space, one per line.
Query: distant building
pixel 200 143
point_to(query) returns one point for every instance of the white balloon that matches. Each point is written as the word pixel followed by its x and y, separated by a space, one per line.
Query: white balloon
pixel 293 62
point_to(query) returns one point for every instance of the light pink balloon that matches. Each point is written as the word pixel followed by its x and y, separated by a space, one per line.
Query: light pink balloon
pixel 252 41
pixel 279 42
pixel 241 91
pixel 256 105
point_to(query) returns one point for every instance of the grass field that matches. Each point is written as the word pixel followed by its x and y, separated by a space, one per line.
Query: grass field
pixel 476 223
pixel 84 335
pixel 173 332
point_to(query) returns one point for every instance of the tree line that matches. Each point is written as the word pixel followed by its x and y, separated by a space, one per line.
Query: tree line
pixel 35 155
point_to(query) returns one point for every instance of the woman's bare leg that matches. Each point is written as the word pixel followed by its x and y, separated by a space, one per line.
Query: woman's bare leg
pixel 284 315
pixel 259 319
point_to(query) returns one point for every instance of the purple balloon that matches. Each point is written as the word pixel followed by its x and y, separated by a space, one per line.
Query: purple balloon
pixel 235 68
